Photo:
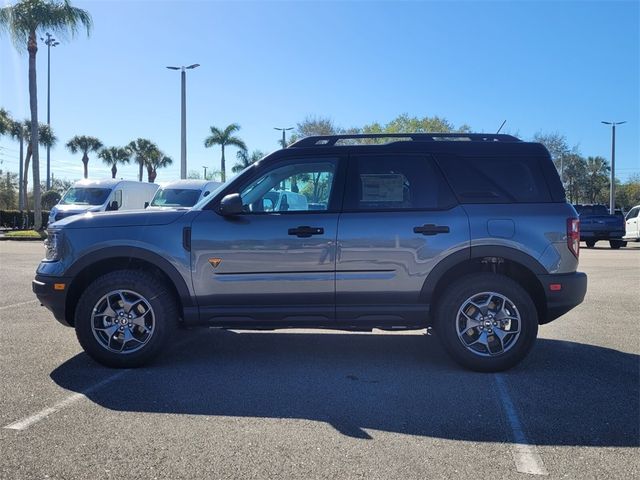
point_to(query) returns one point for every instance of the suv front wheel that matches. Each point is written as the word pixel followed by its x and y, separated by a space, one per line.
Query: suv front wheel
pixel 124 318
pixel 487 322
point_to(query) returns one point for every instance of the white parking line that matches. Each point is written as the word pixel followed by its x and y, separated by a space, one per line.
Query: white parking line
pixel 525 455
pixel 25 423
pixel 17 304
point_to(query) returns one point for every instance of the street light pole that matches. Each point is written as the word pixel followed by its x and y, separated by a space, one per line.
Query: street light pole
pixel 49 42
pixel 612 190
pixel 183 117
pixel 205 171
pixel 284 139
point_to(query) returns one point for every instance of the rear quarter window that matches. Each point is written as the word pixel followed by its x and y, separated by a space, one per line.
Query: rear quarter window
pixel 496 179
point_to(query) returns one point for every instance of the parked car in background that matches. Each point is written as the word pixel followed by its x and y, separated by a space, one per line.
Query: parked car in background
pixel 182 193
pixel 103 196
pixel 632 228
pixel 597 224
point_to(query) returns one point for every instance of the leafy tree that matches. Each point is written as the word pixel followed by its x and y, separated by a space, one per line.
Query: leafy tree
pixel 212 175
pixel 244 159
pixel 114 156
pixel 24 20
pixel 50 198
pixel 46 139
pixel 84 144
pixel 405 124
pixel 142 150
pixel 628 193
pixel 596 178
pixel 224 138
pixel 575 174
pixel 8 190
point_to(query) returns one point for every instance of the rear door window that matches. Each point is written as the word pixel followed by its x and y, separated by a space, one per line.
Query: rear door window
pixel 395 182
pixel 496 179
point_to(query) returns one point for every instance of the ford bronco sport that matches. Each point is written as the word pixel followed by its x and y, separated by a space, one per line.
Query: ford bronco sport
pixel 468 233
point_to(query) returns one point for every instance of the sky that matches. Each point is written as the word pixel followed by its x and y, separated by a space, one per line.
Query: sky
pixel 544 66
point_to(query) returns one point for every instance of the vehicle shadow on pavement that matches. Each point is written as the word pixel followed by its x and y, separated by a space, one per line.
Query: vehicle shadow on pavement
pixel 565 393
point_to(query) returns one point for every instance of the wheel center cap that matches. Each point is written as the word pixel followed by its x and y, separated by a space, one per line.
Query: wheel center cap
pixel 123 321
pixel 487 323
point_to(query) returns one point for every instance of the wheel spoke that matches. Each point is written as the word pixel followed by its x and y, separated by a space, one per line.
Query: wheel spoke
pixel 482 339
pixel 109 331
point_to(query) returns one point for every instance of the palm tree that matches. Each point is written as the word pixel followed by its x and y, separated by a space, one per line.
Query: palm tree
pixel 156 160
pixel 113 156
pixel 46 139
pixel 142 150
pixel 24 20
pixel 5 122
pixel 16 130
pixel 223 138
pixel 244 159
pixel 84 144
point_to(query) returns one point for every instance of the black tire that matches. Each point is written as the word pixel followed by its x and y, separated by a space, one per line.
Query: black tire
pixel 616 244
pixel 447 321
pixel 164 313
pixel 590 243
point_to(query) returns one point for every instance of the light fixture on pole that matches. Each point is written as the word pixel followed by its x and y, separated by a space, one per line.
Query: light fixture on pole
pixel 183 118
pixel 284 139
pixel 49 42
pixel 612 190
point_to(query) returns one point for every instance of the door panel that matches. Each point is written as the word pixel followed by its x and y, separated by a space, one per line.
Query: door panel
pixel 276 261
pixel 382 264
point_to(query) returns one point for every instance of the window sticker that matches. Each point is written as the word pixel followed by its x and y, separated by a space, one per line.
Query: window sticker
pixel 382 187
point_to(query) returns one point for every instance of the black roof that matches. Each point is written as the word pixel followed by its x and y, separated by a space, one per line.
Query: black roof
pixel 335 140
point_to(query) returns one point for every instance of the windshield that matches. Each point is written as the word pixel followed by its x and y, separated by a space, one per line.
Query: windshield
pixel 175 197
pixel 85 196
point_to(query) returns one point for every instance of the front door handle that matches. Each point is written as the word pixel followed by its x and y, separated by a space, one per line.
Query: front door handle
pixel 306 232
pixel 431 229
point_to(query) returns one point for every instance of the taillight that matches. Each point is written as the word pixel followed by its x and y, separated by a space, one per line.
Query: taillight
pixel 573 235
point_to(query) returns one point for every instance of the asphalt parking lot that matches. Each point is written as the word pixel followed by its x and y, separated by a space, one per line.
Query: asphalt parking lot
pixel 306 404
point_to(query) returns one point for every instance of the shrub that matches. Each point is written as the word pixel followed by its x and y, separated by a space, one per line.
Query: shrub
pixel 20 220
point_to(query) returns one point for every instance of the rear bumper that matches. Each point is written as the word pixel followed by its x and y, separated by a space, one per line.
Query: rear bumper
pixel 50 297
pixel 573 287
pixel 605 235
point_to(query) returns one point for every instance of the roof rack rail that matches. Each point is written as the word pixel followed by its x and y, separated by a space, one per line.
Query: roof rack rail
pixel 331 140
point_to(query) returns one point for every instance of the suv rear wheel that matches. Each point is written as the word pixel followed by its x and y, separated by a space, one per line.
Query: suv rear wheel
pixel 124 318
pixel 487 322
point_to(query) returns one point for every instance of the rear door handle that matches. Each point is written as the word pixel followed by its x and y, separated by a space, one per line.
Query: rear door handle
pixel 305 231
pixel 431 229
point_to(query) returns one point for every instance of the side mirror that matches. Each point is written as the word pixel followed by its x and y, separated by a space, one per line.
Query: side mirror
pixel 230 205
pixel 146 204
pixel 112 206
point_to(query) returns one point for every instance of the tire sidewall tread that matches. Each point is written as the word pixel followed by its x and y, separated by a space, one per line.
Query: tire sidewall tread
pixel 464 288
pixel 153 290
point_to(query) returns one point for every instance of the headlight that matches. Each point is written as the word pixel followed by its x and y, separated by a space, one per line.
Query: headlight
pixel 52 246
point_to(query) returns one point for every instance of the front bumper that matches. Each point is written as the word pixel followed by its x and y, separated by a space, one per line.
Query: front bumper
pixel 51 295
pixel 573 287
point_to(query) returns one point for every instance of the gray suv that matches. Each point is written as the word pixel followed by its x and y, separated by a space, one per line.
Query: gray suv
pixel 467 233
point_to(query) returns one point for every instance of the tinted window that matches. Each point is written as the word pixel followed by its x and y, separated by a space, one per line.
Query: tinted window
pixel 592 210
pixel 294 187
pixel 633 213
pixel 395 182
pixel 496 179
